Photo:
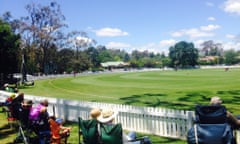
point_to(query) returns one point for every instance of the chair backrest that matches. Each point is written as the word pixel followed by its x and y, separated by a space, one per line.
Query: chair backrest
pixel 88 130
pixel 210 134
pixel 210 126
pixel 55 128
pixel 206 114
pixel 111 133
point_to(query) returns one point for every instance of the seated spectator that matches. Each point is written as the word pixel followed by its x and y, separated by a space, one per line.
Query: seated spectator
pixel 58 131
pixel 7 88
pixel 107 117
pixel 40 108
pixel 23 118
pixel 233 121
pixel 24 112
pixel 10 99
pixel 94 113
pixel 38 118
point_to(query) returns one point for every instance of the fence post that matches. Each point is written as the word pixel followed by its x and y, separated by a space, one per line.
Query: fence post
pixel 190 118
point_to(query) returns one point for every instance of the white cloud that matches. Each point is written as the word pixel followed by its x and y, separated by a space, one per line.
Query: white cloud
pixel 210 4
pixel 232 6
pixel 230 36
pixel 231 45
pixel 192 33
pixel 209 27
pixel 198 43
pixel 117 45
pixel 110 32
pixel 84 39
pixel 178 33
pixel 211 19
pixel 162 46
pixel 167 43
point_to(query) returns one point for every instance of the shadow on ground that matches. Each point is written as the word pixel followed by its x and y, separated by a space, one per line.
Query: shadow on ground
pixel 186 102
pixel 5 132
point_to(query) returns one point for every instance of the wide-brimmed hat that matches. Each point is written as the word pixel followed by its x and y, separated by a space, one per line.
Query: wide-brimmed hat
pixel 216 100
pixel 107 115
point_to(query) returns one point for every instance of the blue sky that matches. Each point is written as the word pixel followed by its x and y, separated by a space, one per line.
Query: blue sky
pixel 152 25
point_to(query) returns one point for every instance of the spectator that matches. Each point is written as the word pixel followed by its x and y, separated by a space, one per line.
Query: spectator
pixel 7 88
pixel 40 108
pixel 10 99
pixel 23 118
pixel 38 118
pixel 94 113
pixel 107 117
pixel 24 112
pixel 233 121
pixel 58 131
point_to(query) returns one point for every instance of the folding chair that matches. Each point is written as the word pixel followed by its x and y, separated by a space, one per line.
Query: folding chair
pixel 56 136
pixel 93 132
pixel 110 134
pixel 88 131
pixel 210 126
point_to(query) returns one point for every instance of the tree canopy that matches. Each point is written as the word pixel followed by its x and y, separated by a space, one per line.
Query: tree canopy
pixel 9 50
pixel 183 55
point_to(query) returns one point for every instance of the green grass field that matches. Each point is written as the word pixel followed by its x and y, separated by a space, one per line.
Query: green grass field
pixel 181 89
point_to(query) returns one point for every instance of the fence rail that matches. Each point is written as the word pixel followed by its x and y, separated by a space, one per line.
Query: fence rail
pixel 157 121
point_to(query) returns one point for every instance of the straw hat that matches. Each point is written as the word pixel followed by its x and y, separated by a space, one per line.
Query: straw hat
pixel 107 115
pixel 216 100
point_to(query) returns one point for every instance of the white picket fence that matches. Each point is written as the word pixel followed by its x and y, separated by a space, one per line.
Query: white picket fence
pixel 157 121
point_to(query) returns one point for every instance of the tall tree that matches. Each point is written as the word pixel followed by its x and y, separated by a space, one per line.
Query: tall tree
pixel 65 57
pixel 209 48
pixel 93 56
pixel 183 54
pixel 40 30
pixel 231 57
pixel 9 50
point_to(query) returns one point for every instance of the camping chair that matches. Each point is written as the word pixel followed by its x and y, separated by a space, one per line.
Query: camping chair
pixel 12 109
pixel 23 126
pixel 210 126
pixel 107 134
pixel 88 131
pixel 56 136
pixel 112 134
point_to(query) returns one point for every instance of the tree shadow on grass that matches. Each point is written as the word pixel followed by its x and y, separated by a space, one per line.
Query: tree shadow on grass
pixel 186 102
pixel 6 131
pixel 232 92
pixel 138 98
pixel 150 100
